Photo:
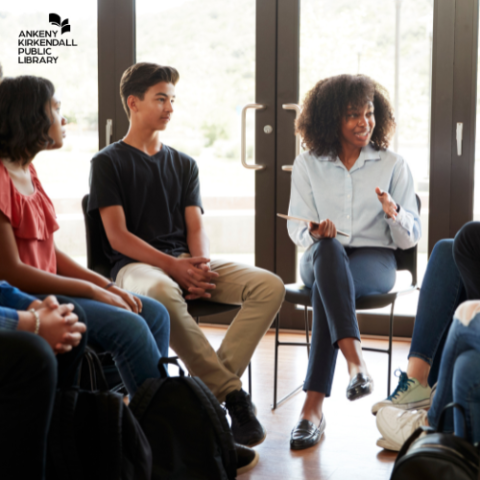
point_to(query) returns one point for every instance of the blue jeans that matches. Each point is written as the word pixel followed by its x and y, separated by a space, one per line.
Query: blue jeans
pixel 459 380
pixel 441 293
pixel 136 342
pixel 337 276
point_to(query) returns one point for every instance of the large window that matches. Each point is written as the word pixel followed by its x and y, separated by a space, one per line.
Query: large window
pixel 212 44
pixel 73 71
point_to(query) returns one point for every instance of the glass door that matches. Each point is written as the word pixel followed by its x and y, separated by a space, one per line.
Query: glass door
pixel 391 42
pixel 70 62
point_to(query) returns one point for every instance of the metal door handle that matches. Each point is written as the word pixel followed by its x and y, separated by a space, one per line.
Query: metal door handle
pixel 243 143
pixel 298 110
pixel 459 138
pixel 108 132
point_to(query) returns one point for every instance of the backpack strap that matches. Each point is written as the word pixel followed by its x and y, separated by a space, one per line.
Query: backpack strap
pixel 441 420
pixel 169 361
pixel 219 421
pixel 144 395
pixel 411 439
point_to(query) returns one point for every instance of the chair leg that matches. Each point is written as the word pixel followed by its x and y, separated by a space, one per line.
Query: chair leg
pixel 305 316
pixel 250 379
pixel 390 349
pixel 275 368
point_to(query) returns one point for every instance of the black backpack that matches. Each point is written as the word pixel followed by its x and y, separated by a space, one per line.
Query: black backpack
pixel 93 435
pixel 186 427
pixel 437 455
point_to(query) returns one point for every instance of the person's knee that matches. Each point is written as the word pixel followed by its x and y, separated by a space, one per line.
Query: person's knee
pixel 443 248
pixel 466 237
pixel 466 375
pixel 327 246
pixel 156 309
pixel 275 288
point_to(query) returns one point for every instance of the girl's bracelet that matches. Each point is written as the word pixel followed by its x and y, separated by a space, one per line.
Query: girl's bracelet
pixel 108 285
pixel 37 320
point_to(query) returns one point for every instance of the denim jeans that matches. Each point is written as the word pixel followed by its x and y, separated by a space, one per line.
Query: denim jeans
pixel 337 276
pixel 136 342
pixel 459 380
pixel 452 276
pixel 441 293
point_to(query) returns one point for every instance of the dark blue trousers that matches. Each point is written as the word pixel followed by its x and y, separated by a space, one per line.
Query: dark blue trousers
pixel 337 276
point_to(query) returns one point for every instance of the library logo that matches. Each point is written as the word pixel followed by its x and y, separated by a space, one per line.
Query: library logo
pixel 35 46
pixel 55 19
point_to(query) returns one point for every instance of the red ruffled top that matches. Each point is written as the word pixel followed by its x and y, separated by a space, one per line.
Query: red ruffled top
pixel 33 220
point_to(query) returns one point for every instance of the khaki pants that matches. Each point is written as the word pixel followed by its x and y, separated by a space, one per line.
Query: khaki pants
pixel 260 294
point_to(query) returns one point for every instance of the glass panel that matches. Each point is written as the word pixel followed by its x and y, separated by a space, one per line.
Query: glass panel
pixel 212 45
pixel 346 36
pixel 73 71
pixel 476 192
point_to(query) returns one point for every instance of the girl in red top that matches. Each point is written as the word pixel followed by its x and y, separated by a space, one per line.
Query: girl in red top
pixel 134 329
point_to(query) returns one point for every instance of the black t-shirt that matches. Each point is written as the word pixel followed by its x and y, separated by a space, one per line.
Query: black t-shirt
pixel 153 191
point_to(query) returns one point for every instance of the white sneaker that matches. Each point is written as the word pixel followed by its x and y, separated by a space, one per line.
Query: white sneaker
pixel 396 425
pixel 409 395
pixel 382 443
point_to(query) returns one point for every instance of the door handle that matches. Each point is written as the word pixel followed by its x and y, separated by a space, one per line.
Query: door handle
pixel 108 132
pixel 243 142
pixel 298 110
pixel 459 138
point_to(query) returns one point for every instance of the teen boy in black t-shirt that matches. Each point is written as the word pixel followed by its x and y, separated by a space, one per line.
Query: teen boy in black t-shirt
pixel 148 196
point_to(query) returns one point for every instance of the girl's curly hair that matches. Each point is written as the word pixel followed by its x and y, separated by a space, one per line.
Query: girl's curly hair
pixel 326 103
pixel 24 123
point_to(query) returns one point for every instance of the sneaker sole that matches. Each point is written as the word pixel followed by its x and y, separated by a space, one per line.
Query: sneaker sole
pixel 385 444
pixel 407 406
pixel 260 441
pixel 248 467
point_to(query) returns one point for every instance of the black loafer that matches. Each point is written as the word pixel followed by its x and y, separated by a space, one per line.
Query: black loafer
pixel 359 386
pixel 306 434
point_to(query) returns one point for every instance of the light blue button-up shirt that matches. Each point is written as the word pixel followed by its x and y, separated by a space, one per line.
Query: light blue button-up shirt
pixel 323 188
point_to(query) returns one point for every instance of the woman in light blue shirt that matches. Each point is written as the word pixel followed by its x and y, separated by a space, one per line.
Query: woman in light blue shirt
pixel 346 180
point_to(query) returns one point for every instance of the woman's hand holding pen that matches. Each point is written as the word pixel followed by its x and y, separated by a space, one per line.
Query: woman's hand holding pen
pixel 388 205
pixel 324 229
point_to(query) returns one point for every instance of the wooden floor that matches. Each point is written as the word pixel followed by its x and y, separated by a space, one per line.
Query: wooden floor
pixel 347 449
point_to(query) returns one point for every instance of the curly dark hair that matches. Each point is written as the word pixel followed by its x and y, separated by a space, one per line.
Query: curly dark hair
pixel 24 123
pixel 326 103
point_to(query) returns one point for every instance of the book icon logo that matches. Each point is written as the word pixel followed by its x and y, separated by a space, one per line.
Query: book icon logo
pixel 55 19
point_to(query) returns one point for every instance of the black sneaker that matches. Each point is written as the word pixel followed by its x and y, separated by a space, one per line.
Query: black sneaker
pixel 246 458
pixel 246 429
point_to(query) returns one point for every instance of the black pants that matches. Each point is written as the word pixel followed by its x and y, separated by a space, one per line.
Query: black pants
pixel 466 252
pixel 29 375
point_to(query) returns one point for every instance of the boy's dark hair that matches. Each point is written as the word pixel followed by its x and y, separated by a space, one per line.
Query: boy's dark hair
pixel 326 103
pixel 138 78
pixel 24 123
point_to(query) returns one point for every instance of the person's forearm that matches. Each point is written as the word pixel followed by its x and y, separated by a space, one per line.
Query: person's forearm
pixel 198 243
pixel 67 267
pixel 134 247
pixel 26 322
pixel 33 280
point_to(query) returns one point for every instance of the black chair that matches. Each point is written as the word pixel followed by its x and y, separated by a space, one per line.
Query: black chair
pixel 99 262
pixel 299 294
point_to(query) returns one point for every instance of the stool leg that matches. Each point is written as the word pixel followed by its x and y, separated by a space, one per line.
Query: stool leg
pixel 390 349
pixel 275 368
